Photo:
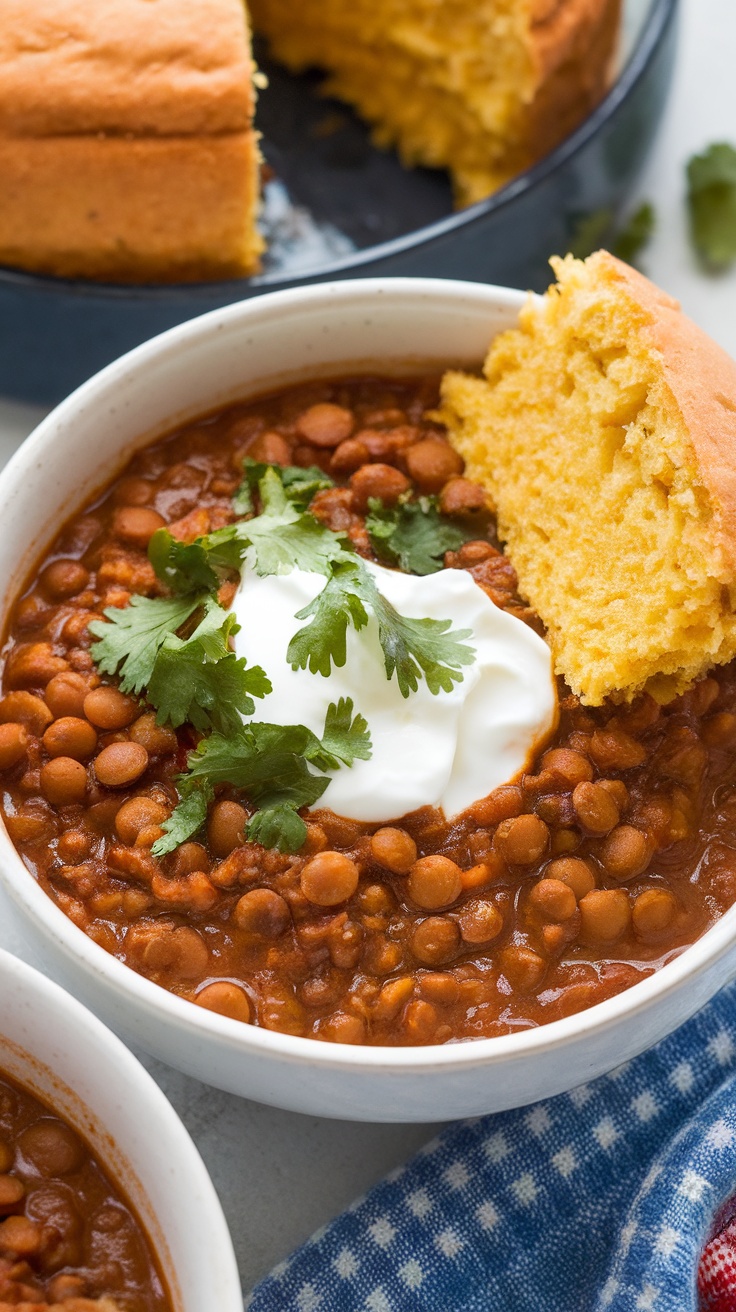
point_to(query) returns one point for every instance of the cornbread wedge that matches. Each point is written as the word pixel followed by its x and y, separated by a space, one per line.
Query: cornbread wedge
pixel 605 431
pixel 127 151
pixel 483 89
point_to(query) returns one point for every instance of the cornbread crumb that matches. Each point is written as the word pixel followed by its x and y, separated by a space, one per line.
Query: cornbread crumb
pixel 605 431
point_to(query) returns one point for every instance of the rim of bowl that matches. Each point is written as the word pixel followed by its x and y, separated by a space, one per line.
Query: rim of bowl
pixel 116 1057
pixel 661 14
pixel 186 1017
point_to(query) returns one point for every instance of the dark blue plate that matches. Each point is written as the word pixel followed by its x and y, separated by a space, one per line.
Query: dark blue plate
pixel 342 209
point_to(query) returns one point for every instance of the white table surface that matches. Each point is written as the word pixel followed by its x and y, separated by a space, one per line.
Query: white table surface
pixel 281 1175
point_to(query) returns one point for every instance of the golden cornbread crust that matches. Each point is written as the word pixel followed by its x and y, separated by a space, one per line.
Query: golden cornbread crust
pixel 605 432
pixel 151 67
pixel 572 46
pixel 482 90
pixel 156 209
pixel 126 147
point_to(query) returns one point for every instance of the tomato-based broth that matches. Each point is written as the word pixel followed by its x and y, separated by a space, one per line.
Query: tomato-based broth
pixel 567 883
pixel 68 1236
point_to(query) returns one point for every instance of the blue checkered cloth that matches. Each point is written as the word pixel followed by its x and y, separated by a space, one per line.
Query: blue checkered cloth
pixel 596 1201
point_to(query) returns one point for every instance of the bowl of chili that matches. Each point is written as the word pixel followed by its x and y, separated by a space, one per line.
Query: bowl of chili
pixel 104 1195
pixel 408 970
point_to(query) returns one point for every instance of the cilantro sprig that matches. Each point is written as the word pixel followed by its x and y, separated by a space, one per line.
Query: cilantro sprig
pixel 413 534
pixel 280 768
pixel 284 537
pixel 299 485
pixel 412 649
pixel 711 179
pixel 636 233
pixel 197 679
pixel 131 637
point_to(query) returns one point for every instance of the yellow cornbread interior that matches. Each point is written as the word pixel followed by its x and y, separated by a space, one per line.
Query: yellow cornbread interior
pixel 587 459
pixel 446 83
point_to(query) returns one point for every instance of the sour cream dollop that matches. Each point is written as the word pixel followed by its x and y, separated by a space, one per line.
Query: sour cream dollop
pixel 445 750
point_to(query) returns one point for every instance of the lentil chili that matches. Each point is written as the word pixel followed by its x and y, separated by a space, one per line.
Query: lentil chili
pixel 609 855
pixel 68 1237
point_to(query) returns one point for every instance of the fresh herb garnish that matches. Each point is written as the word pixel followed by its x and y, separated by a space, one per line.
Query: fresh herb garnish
pixel 272 764
pixel 711 198
pixel 413 534
pixel 636 234
pixel 196 680
pixel 131 636
pixel 300 485
pixel 200 681
pixel 412 649
pixel 281 538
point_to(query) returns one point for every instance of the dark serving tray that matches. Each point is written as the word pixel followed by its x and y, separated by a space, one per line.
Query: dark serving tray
pixel 337 207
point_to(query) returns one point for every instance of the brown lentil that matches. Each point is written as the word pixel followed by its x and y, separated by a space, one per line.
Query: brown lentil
pixel 394 849
pixel 121 764
pixel 329 878
pixel 434 881
pixel 226 999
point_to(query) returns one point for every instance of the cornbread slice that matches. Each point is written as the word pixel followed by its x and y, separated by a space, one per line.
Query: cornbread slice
pixel 481 88
pixel 605 432
pixel 127 150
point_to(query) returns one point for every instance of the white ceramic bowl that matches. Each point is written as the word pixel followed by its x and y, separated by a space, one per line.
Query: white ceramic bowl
pixel 379 325
pixel 61 1053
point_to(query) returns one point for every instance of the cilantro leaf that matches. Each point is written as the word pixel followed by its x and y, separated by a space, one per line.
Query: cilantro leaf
pixel 200 681
pixel 266 761
pixel 345 739
pixel 711 199
pixel 636 234
pixel 271 764
pixel 324 641
pixel 412 649
pixel 283 538
pixel 182 566
pixel 300 485
pixel 130 637
pixel 416 648
pixel 186 818
pixel 413 535
pixel 278 826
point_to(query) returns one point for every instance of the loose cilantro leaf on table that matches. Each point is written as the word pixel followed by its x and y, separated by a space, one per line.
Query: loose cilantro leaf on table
pixel 271 764
pixel 413 534
pixel 412 649
pixel 131 636
pixel 636 234
pixel 712 203
pixel 299 485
